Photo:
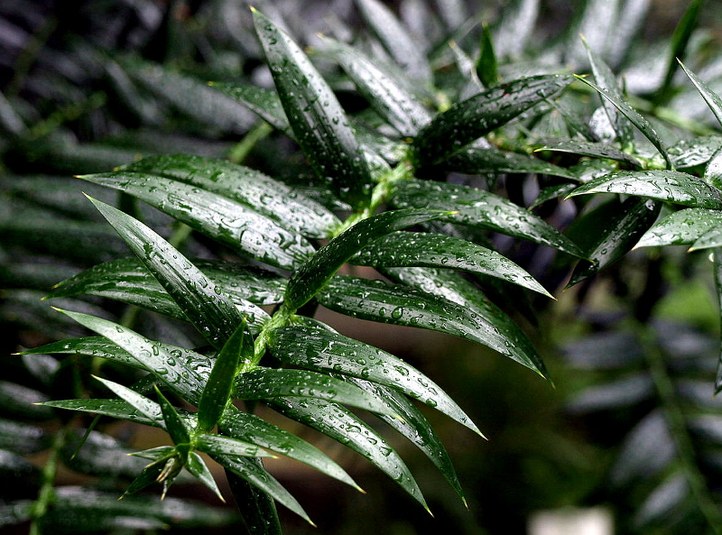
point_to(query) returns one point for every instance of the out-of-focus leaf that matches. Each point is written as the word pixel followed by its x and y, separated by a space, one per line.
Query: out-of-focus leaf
pixel 646 451
pixel 18 401
pixel 666 497
pixel 267 384
pixel 391 101
pixel 681 228
pixel 596 150
pixel 667 186
pixel 713 170
pixel 475 117
pixel 320 268
pixel 467 69
pixel 415 249
pixel 680 40
pixel 634 117
pixel 258 192
pixel 396 40
pixel 609 231
pixel 100 455
pixel 191 96
pixel 377 301
pixel 624 392
pixel 263 102
pixel 308 344
pixel 229 222
pixel 486 66
pixel 515 28
pixel 475 161
pixel 258 510
pixel 210 311
pixel 480 208
pixel 717 259
pixel 217 392
pixel 338 423
pixel 712 99
pixel 607 81
pixel 552 192
pixel 22 438
pixel 318 121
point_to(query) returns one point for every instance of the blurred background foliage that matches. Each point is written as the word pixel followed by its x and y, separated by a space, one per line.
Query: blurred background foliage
pixel 102 83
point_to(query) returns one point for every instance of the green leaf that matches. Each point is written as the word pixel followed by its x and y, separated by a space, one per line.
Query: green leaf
pixel 250 428
pixel 596 150
pixel 318 121
pixel 500 332
pixel 263 102
pixel 717 271
pixel 475 207
pixel 610 231
pixel 211 312
pixel 197 466
pixel 668 186
pixel 253 472
pixel 486 67
pixel 217 392
pixel 243 284
pixel 475 117
pixel 377 301
pixel 182 370
pixel 390 100
pixel 229 222
pixel 698 151
pixel 175 426
pixel 256 191
pixel 268 384
pixel 338 423
pixel 191 96
pixel 476 161
pixel 114 408
pixel 516 27
pixel 606 80
pixel 148 408
pixel 712 99
pixel 308 344
pixel 258 510
pixel 713 170
pixel 634 117
pixel 680 40
pixel 711 238
pixel 312 275
pixel 414 426
pixel 221 445
pixel 396 40
pixel 681 228
pixel 410 249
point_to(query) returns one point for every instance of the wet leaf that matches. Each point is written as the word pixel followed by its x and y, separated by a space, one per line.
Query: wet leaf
pixel 698 151
pixel 227 221
pixel 681 228
pixel 211 312
pixel 267 384
pixel 263 102
pixel 390 100
pixel 175 426
pixel 377 301
pixel 475 207
pixel 217 392
pixel 197 466
pixel 338 423
pixel 312 275
pixel 476 161
pixel 308 344
pixel 475 117
pixel 667 186
pixel 221 445
pixel 318 121
pixel 634 117
pixel 608 232
pixel 596 150
pixel 712 99
pixel 114 408
pixel 415 249
pixel 147 407
pixel 256 191
pixel 486 66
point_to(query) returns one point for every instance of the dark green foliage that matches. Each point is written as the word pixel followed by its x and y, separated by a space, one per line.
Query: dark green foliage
pixel 417 171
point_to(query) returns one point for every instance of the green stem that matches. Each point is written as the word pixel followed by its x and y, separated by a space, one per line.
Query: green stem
pixel 240 151
pixel 46 494
pixel 678 429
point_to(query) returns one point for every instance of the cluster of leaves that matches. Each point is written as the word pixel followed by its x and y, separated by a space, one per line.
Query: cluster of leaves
pixel 424 160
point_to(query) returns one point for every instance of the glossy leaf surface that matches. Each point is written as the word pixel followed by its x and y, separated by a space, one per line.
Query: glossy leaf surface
pixel 668 186
pixel 475 117
pixel 409 249
pixel 318 121
pixel 682 227
pixel 308 344
pixel 588 148
pixel 474 160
